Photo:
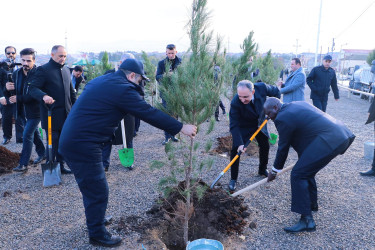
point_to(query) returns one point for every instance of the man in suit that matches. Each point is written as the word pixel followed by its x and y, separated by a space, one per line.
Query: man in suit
pixel 317 138
pixel 91 125
pixel 245 116
pixel 52 86
pixel 294 87
pixel 77 77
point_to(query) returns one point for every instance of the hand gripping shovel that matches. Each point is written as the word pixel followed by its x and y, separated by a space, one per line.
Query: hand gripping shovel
pixel 239 153
pixel 126 154
pixel 51 170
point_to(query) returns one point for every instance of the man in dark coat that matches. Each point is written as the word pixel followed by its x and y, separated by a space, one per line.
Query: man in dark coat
pixel 77 77
pixel 52 86
pixel 91 124
pixel 173 61
pixel 18 94
pixel 320 80
pixel 317 138
pixel 245 116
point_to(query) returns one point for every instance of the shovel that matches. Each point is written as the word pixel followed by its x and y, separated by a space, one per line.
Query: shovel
pixel 126 154
pixel 239 153
pixel 50 169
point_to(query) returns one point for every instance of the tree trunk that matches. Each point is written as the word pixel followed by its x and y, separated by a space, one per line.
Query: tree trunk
pixel 187 187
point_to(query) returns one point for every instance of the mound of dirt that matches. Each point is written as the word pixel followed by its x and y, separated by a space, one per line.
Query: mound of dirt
pixel 8 160
pixel 225 146
pixel 215 216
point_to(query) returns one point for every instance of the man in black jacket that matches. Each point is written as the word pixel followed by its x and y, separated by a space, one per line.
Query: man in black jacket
pixel 77 77
pixel 245 116
pixel 320 80
pixel 24 102
pixel 52 86
pixel 9 109
pixel 91 124
pixel 317 138
pixel 173 61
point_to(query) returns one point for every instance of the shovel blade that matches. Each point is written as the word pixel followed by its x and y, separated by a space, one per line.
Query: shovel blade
pixel 273 139
pixel 126 157
pixel 51 174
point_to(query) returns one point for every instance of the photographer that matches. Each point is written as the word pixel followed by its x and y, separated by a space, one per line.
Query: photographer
pixel 24 102
pixel 9 109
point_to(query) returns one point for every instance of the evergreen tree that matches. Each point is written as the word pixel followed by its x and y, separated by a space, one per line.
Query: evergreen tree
pixel 267 71
pixel 104 65
pixel 150 70
pixel 370 57
pixel 191 93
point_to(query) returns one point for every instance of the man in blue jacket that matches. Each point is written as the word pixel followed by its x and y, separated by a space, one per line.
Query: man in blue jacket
pixel 245 116
pixel 317 138
pixel 320 80
pixel 91 124
pixel 18 94
pixel 294 87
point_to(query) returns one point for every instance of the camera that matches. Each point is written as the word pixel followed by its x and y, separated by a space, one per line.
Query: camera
pixel 8 64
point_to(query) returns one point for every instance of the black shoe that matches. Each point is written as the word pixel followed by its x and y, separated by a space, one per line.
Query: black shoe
pixel 217 119
pixel 175 139
pixel 106 168
pixel 165 141
pixel 20 168
pixel 263 172
pixel 19 141
pixel 108 220
pixel 306 223
pixel 232 185
pixel 6 141
pixel 131 167
pixel 370 172
pixel 314 207
pixel 64 170
pixel 107 240
pixel 39 159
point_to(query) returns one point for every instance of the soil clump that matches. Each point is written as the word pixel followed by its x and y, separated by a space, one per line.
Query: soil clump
pixel 225 146
pixel 8 160
pixel 215 216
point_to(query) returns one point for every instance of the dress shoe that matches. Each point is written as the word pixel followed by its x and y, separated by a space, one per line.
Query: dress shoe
pixel 106 168
pixel 232 185
pixel 370 172
pixel 175 139
pixel 106 241
pixel 64 170
pixel 20 168
pixel 19 141
pixel 6 141
pixel 217 119
pixel 263 172
pixel 306 223
pixel 165 141
pixel 224 112
pixel 39 159
pixel 314 207
pixel 131 167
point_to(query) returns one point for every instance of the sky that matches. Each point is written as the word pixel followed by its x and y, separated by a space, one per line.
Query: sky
pixel 149 25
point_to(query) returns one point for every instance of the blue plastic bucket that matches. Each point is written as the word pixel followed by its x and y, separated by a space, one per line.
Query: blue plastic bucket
pixel 205 244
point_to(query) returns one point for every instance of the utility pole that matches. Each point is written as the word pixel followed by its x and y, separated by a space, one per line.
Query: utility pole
pixel 296 45
pixel 66 40
pixel 228 45
pixel 317 39
pixel 333 45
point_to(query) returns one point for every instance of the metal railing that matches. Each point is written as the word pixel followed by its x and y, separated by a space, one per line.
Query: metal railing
pixel 350 91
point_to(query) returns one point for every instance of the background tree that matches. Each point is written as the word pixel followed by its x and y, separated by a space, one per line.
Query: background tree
pixel 370 57
pixel 269 70
pixel 191 93
pixel 150 70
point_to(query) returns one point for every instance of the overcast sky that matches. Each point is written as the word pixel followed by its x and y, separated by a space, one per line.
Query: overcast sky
pixel 149 25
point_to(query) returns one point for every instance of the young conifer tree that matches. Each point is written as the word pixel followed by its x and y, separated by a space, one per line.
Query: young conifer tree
pixel 150 69
pixel 192 94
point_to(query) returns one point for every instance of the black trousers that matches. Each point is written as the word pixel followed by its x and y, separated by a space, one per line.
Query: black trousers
pixel 8 112
pixel 264 148
pixel 56 156
pixel 221 105
pixel 321 103
pixel 302 178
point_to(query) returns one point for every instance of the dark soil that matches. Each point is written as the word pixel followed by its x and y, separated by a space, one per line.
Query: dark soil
pixel 8 160
pixel 225 146
pixel 215 216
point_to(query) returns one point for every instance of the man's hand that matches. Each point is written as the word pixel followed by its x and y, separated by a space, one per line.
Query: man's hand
pixel 9 86
pixel 279 84
pixel 13 99
pixel 48 100
pixel 3 101
pixel 189 130
pixel 241 149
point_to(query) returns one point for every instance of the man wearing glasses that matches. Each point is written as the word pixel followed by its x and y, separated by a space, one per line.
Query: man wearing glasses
pixel 9 109
pixel 171 61
pixel 52 86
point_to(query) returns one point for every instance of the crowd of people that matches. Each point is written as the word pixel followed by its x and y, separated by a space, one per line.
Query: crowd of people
pixel 84 128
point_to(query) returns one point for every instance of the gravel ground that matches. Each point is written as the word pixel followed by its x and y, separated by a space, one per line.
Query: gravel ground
pixel 33 217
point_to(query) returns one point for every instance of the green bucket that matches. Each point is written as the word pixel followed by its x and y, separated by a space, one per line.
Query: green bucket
pixel 206 244
pixel 273 139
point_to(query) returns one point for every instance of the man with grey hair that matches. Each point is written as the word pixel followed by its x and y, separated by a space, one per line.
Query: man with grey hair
pixel 52 86
pixel 245 116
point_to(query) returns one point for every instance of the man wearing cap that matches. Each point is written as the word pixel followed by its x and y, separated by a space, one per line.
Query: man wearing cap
pixel 90 125
pixel 172 61
pixel 320 80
